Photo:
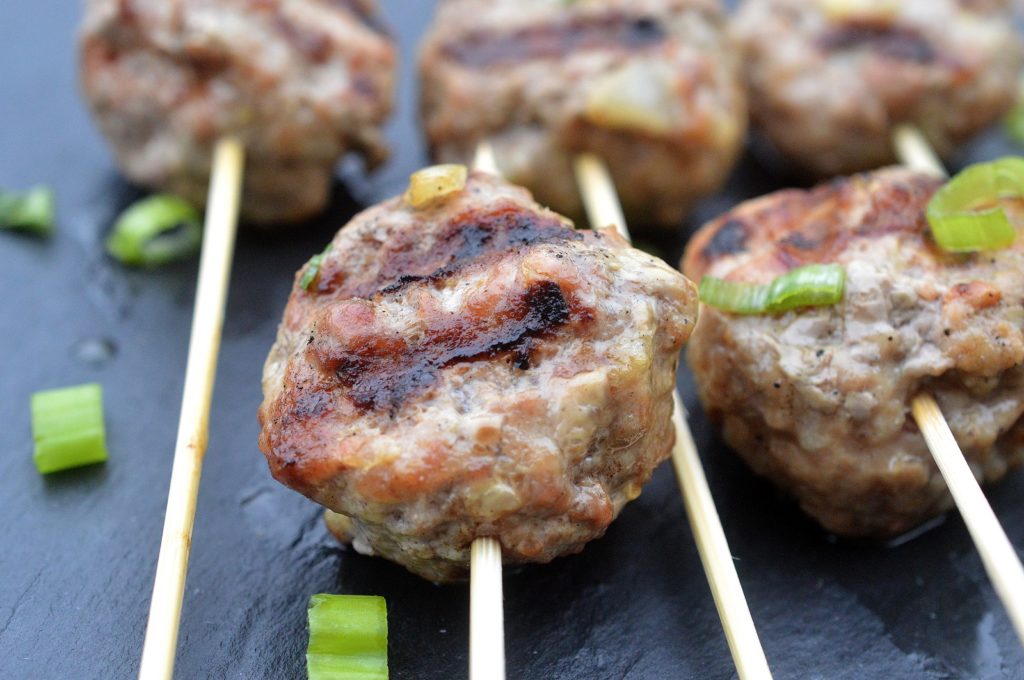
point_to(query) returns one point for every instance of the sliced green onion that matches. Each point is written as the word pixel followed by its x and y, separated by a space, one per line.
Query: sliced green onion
pixel 814 285
pixel 348 638
pixel 313 268
pixel 31 210
pixel 67 427
pixel 155 231
pixel 966 215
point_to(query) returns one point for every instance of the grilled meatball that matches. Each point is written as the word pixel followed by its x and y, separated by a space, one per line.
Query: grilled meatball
pixel 818 400
pixel 474 367
pixel 300 82
pixel 830 79
pixel 651 86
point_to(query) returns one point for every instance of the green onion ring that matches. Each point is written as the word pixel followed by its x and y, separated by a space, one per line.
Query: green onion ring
pixel 348 638
pixel 31 211
pixel 156 230
pixel 814 285
pixel 966 215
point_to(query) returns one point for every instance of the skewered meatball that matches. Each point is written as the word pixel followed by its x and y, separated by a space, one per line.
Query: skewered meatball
pixel 301 83
pixel 651 86
pixel 831 79
pixel 819 400
pixel 474 367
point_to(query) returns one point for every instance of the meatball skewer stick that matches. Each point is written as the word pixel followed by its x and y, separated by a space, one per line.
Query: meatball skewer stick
pixel 486 606
pixel 602 207
pixel 161 640
pixel 997 553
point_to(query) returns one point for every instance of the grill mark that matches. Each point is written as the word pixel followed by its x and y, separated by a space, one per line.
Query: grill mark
pixel 483 48
pixel 471 237
pixel 800 241
pixel 894 42
pixel 729 239
pixel 384 372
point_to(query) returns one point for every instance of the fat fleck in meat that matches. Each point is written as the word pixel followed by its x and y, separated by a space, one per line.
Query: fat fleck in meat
pixel 516 382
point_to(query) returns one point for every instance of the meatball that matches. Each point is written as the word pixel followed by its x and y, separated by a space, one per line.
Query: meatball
pixel 818 400
pixel 653 87
pixel 831 79
pixel 474 367
pixel 301 83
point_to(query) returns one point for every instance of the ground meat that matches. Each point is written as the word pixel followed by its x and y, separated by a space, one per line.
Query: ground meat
pixel 300 82
pixel 474 367
pixel 651 86
pixel 830 79
pixel 818 400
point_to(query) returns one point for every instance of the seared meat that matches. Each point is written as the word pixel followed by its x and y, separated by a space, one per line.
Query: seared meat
pixel 651 86
pixel 819 400
pixel 830 79
pixel 475 367
pixel 300 82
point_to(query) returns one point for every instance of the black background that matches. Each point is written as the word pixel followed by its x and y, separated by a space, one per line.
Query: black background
pixel 78 549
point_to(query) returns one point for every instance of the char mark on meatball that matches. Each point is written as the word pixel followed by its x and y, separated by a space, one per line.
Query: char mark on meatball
pixel 730 238
pixel 485 48
pixel 895 42
pixel 379 369
pixel 470 236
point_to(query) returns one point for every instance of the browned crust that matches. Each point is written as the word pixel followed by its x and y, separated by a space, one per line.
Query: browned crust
pixel 791 228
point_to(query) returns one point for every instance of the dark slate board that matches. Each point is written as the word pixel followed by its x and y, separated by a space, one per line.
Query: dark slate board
pixel 78 549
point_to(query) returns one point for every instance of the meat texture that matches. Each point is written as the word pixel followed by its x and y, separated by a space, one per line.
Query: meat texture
pixel 474 367
pixel 818 400
pixel 830 80
pixel 651 86
pixel 300 82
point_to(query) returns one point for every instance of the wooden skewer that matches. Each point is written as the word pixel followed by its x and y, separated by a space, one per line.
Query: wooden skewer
pixel 486 612
pixel 486 606
pixel 161 641
pixel 997 553
pixel 602 205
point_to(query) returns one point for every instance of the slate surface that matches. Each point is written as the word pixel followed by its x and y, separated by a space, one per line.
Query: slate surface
pixel 78 550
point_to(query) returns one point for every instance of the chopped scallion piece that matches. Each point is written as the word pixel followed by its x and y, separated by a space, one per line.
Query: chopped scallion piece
pixel 967 215
pixel 67 427
pixel 348 638
pixel 31 210
pixel 814 285
pixel 155 231
pixel 313 268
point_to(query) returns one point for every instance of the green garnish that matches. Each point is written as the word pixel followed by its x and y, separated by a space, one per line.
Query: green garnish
pixel 313 268
pixel 348 638
pixel 31 210
pixel 155 231
pixel 966 215
pixel 814 285
pixel 67 427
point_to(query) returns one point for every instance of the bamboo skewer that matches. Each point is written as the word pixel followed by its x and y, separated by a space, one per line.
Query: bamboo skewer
pixel 486 606
pixel 486 612
pixel 603 208
pixel 158 651
pixel 997 553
